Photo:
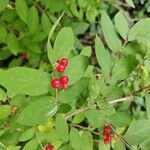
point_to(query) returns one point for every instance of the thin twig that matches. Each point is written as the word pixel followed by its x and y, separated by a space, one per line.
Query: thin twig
pixel 121 99
pixel 37 6
pixel 76 112
pixel 84 128
pixel 83 109
pixel 119 136
pixel 56 96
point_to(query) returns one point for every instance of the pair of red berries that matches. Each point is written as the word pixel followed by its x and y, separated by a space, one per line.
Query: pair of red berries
pixel 49 147
pixel 62 64
pixel 63 81
pixel 60 83
pixel 106 134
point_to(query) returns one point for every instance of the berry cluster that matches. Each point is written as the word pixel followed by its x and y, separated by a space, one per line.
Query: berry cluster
pixel 62 64
pixel 49 147
pixel 106 134
pixel 61 82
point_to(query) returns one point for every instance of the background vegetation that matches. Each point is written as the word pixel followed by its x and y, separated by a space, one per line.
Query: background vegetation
pixel 107 43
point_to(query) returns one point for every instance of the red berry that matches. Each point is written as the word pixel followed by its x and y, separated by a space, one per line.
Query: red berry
pixel 64 62
pixel 55 83
pixel 60 68
pixel 107 139
pixel 107 129
pixel 24 56
pixel 49 147
pixel 64 86
pixel 64 79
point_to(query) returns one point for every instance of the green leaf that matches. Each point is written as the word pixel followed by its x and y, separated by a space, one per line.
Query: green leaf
pixel 120 119
pixel 138 131
pixel 12 43
pixel 79 27
pixel 86 51
pixel 130 3
pixel 22 9
pixel 33 144
pixel 27 135
pixel 23 80
pixel 73 91
pixel 62 127
pixel 110 35
pixel 145 145
pixel 96 118
pixel 18 100
pixel 46 23
pixel 3 95
pixel 103 146
pixel 75 139
pixel 3 4
pixel 139 29
pixel 111 92
pixel 63 44
pixel 123 67
pixel 38 111
pixel 147 100
pixel 119 146
pixel 12 147
pixel 49 46
pixel 3 34
pixel 77 68
pixel 5 111
pixel 33 19
pixel 121 25
pixel 87 140
pixel 102 56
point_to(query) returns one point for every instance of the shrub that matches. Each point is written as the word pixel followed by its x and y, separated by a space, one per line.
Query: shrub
pixel 55 97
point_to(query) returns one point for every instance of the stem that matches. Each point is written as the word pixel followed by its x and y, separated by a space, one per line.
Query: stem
pixel 56 96
pixel 83 109
pixel 121 99
pixel 120 137
pixel 37 6
pixel 84 128
pixel 76 112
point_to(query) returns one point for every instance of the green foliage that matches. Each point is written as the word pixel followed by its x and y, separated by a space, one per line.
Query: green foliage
pixel 5 111
pixel 113 41
pixel 102 55
pixel 75 139
pixel 23 80
pixel 108 69
pixel 121 25
pixel 142 132
pixel 3 4
pixel 75 72
pixel 41 109
pixel 22 9
pixel 62 127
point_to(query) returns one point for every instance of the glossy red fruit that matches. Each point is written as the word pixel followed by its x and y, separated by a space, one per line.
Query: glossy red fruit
pixel 107 139
pixel 60 68
pixel 55 83
pixel 64 86
pixel 49 147
pixel 64 62
pixel 64 79
pixel 107 129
